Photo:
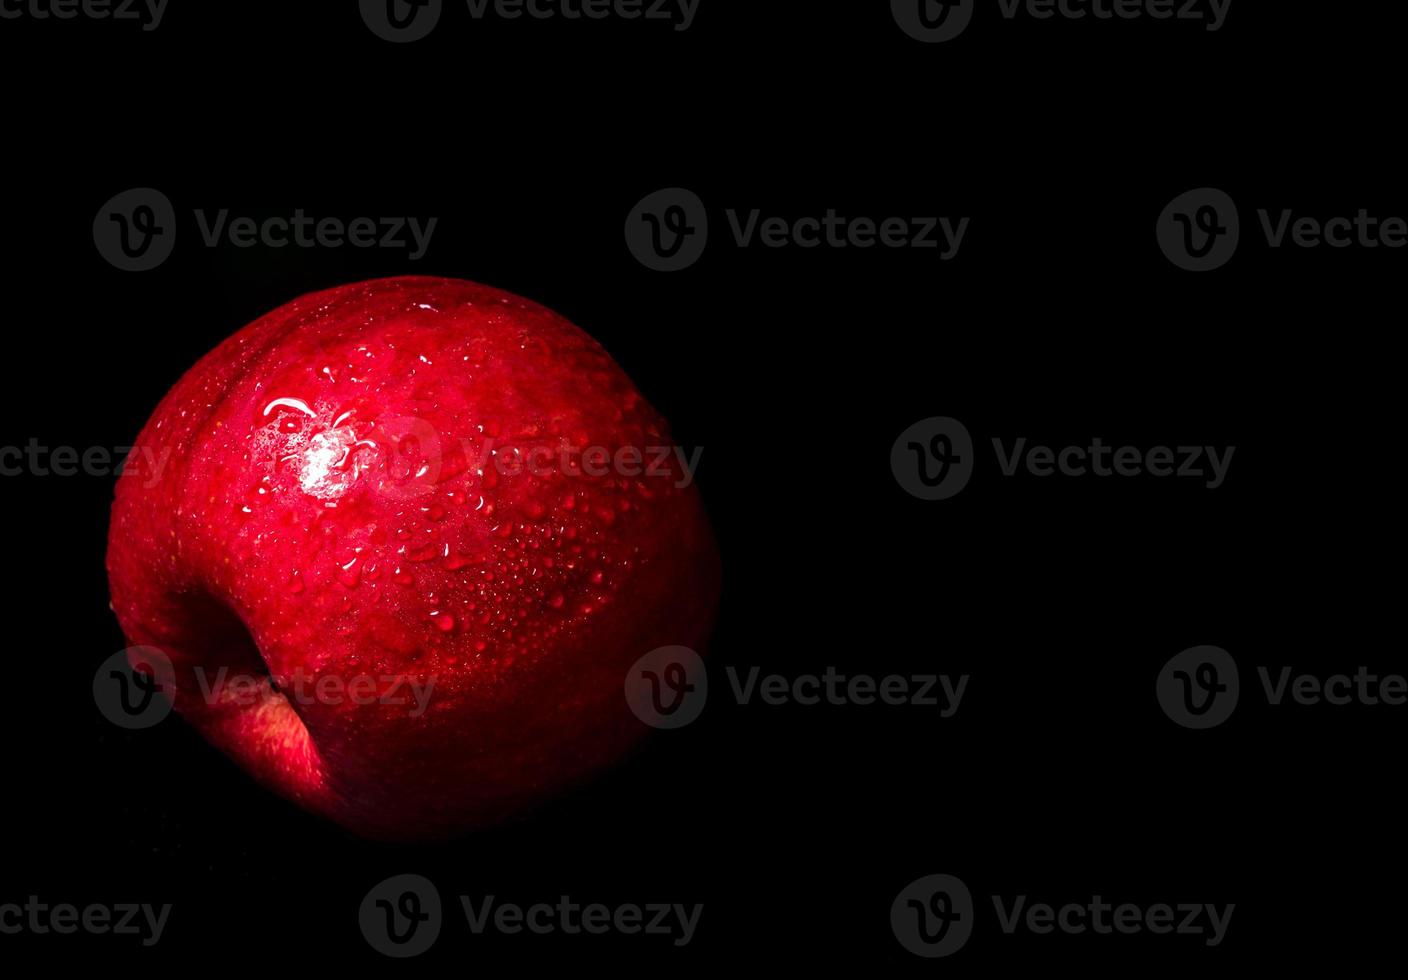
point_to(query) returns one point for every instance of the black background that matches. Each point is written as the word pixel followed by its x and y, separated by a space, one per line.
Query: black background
pixel 1060 320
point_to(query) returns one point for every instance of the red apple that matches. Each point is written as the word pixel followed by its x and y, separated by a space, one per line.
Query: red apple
pixel 410 481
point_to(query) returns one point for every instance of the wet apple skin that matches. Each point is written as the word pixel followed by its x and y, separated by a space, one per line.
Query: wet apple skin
pixel 339 502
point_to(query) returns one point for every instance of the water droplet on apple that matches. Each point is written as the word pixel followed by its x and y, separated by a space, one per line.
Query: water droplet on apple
pixel 297 404
pixel 350 574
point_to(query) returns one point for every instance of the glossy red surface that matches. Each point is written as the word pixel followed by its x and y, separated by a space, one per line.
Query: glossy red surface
pixel 382 484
